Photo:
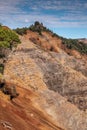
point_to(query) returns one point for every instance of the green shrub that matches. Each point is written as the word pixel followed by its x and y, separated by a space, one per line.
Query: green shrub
pixel 21 31
pixel 37 27
pixel 8 38
pixel 1 68
pixel 4 44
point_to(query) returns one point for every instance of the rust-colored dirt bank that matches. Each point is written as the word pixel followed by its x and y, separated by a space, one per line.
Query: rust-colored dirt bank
pixel 20 113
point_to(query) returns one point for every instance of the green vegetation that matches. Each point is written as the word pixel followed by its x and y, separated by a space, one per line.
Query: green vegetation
pixel 21 31
pixel 1 68
pixel 36 27
pixel 0 24
pixel 75 44
pixel 8 38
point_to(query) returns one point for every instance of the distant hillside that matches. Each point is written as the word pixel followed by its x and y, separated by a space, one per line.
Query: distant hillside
pixel 83 40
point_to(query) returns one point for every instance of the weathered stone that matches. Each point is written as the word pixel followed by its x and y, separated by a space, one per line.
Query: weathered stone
pixel 46 81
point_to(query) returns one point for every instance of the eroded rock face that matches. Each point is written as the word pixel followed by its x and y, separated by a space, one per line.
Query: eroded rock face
pixel 21 113
pixel 56 72
pixel 55 80
pixel 4 52
pixel 67 81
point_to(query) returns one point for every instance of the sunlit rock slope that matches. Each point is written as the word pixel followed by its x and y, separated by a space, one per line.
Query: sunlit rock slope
pixel 52 87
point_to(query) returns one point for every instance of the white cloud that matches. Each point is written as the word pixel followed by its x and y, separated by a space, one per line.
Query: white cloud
pixel 26 21
pixel 49 21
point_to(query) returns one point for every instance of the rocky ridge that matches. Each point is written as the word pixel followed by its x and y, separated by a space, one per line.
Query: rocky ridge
pixel 52 87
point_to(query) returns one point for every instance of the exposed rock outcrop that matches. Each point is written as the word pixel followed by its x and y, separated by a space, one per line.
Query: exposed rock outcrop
pixel 47 82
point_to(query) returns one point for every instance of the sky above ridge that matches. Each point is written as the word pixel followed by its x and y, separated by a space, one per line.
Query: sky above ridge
pixel 67 18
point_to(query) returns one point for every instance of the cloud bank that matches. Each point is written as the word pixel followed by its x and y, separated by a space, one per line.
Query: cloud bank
pixel 53 13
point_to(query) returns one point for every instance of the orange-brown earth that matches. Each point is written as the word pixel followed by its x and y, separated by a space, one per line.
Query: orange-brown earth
pixel 21 114
pixel 50 42
pixel 52 87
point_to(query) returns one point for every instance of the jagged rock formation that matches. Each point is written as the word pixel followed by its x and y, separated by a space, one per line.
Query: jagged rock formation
pixel 52 87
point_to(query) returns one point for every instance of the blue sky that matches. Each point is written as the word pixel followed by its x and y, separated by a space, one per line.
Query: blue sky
pixel 67 18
